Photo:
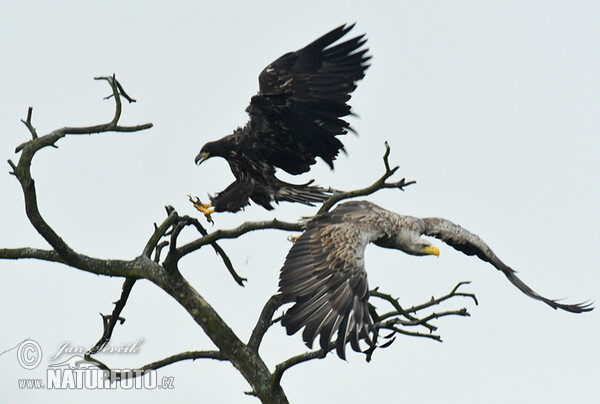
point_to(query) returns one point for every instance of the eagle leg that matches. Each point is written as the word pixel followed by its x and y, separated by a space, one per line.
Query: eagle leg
pixel 205 208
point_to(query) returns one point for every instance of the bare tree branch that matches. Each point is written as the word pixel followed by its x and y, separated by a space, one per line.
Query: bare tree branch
pixel 159 232
pixel 108 267
pixel 237 232
pixel 295 360
pixel 28 252
pixel 175 255
pixel 244 359
pixel 392 324
pixel 23 173
pixel 29 124
pixel 158 250
pixel 109 322
pixel 220 252
pixel 230 347
pixel 376 186
pixel 183 356
pixel 394 302
pixel 392 319
pixel 435 301
pixel 265 320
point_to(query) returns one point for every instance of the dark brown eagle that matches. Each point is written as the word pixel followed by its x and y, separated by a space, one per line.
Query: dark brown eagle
pixel 324 272
pixel 294 118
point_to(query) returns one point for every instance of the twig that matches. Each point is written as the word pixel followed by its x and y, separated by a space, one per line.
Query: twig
pixel 220 252
pixel 123 93
pixel 434 337
pixel 13 167
pixel 237 232
pixel 265 320
pixel 114 84
pixel 394 302
pixel 158 250
pixel 29 125
pixel 295 360
pixel 177 227
pixel 190 355
pixel 390 320
pixel 412 320
pixel 159 232
pixel 425 320
pixel 109 322
pixel 391 323
pixel 436 301
pixel 227 262
pixel 376 186
pixel 175 253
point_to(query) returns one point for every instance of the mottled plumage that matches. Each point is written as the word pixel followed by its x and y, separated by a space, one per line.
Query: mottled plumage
pixel 324 272
pixel 294 118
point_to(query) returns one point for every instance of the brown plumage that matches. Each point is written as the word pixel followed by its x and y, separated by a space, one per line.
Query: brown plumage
pixel 324 272
pixel 294 118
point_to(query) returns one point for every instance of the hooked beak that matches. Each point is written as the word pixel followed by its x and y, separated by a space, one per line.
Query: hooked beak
pixel 201 157
pixel 432 250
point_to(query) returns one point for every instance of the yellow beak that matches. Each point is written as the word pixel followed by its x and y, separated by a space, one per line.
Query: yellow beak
pixel 432 250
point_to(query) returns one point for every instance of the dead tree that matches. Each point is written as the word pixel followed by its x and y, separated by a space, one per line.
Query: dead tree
pixel 158 263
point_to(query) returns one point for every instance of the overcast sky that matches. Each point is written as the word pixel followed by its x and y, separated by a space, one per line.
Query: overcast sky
pixel 492 108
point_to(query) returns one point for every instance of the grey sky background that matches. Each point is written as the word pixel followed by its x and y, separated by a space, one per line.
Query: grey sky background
pixel 491 107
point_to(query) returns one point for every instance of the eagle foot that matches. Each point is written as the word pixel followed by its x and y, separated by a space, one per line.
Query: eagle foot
pixel 205 208
pixel 293 239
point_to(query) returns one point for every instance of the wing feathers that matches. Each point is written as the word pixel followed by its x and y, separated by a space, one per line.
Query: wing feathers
pixel 471 244
pixel 303 95
pixel 323 275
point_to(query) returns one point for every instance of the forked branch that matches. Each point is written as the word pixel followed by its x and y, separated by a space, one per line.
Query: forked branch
pixel 248 362
pixel 409 318
pixel 22 170
pixel 390 321
pixel 110 321
pixel 141 371
pixel 376 186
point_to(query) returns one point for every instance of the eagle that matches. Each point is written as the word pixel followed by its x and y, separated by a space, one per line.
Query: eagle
pixel 324 272
pixel 294 118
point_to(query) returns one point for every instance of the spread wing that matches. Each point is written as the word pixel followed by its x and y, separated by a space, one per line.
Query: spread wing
pixel 324 275
pixel 470 244
pixel 302 98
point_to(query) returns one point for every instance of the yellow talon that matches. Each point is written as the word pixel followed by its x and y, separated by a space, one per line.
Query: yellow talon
pixel 293 239
pixel 205 208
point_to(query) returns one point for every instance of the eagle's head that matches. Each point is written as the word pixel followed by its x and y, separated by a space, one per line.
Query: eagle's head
pixel 411 243
pixel 408 240
pixel 210 149
pixel 423 247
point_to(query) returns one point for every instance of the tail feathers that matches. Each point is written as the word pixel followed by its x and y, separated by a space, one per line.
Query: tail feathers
pixel 302 193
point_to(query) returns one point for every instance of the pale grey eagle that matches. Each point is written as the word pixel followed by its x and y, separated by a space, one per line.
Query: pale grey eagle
pixel 324 272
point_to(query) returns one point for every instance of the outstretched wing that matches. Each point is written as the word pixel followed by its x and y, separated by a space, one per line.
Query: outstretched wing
pixel 470 244
pixel 303 96
pixel 324 275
